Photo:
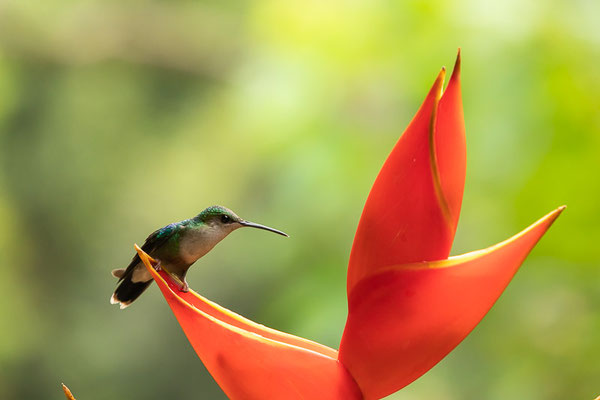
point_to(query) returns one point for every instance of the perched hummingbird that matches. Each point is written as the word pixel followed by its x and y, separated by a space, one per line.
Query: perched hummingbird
pixel 177 246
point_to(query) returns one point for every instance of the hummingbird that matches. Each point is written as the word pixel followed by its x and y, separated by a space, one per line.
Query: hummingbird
pixel 176 247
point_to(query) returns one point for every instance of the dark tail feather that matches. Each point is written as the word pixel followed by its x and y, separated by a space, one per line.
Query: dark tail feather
pixel 128 291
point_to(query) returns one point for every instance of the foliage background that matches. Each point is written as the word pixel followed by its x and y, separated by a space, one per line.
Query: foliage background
pixel 118 118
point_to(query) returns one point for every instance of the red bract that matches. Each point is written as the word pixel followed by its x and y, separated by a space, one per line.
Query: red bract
pixel 405 318
pixel 408 303
pixel 412 211
pixel 251 361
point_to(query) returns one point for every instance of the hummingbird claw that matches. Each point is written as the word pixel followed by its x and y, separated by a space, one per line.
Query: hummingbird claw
pixel 185 287
pixel 157 267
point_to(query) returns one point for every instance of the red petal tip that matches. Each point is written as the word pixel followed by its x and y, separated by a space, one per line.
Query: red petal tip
pixel 145 256
pixel 456 70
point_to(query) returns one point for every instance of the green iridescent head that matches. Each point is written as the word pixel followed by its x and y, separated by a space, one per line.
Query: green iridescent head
pixel 218 215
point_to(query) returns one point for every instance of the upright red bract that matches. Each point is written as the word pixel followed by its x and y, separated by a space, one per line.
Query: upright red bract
pixel 408 303
pixel 412 211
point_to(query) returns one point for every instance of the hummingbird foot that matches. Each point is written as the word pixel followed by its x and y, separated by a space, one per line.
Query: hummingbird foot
pixel 185 287
pixel 157 267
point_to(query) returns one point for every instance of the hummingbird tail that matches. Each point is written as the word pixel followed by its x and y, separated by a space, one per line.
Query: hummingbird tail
pixel 128 291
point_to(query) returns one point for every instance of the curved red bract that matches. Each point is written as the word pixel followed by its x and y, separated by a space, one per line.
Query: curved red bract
pixel 405 318
pixel 249 361
pixel 409 304
pixel 226 316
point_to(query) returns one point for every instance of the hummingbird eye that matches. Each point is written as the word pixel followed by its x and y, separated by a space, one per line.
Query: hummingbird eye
pixel 225 219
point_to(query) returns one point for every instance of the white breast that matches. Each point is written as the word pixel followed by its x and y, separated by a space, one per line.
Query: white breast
pixel 198 242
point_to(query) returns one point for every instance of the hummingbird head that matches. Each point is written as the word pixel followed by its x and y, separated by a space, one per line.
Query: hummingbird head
pixel 210 227
pixel 225 221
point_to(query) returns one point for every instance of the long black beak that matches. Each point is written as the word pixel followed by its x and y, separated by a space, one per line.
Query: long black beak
pixel 266 228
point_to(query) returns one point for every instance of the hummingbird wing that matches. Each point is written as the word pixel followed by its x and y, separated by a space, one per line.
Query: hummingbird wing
pixel 154 241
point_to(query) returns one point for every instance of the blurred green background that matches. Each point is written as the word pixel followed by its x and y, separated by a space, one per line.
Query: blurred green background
pixel 118 118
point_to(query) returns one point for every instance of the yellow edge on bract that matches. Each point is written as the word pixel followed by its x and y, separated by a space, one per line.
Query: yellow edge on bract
pixel 245 320
pixel 437 181
pixel 146 259
pixel 68 393
pixel 455 260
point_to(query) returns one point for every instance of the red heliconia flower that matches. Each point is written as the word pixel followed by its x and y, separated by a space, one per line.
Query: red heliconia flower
pixel 409 304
